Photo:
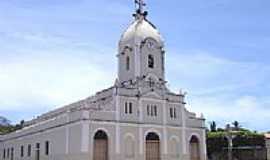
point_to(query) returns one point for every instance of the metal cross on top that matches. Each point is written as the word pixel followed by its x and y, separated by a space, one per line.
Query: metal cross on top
pixel 140 4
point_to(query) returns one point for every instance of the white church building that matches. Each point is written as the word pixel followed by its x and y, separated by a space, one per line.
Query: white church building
pixel 138 118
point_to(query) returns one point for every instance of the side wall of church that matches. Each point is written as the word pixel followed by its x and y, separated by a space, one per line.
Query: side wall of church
pixel 55 137
pixel 64 138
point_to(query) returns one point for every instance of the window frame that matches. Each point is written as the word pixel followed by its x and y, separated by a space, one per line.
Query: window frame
pixel 148 109
pixel 126 108
pixel 171 112
pixel 29 150
pixel 12 154
pixel 47 148
pixel 22 151
pixel 151 61
pixel 127 63
pixel 155 110
pixel 4 153
pixel 174 113
pixel 8 153
pixel 37 154
pixel 152 110
pixel 130 108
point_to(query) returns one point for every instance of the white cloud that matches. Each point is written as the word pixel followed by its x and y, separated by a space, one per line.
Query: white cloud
pixel 250 111
pixel 204 74
pixel 224 90
pixel 54 77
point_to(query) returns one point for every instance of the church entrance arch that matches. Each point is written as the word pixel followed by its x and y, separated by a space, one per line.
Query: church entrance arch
pixel 152 147
pixel 194 148
pixel 101 146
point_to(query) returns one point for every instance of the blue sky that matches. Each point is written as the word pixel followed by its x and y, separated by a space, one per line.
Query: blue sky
pixel 56 52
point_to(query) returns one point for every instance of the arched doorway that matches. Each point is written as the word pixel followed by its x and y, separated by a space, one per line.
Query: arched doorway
pixel 100 146
pixel 152 147
pixel 194 148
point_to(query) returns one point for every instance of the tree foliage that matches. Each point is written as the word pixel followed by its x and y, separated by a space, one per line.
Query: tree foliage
pixel 6 127
pixel 213 126
pixel 236 125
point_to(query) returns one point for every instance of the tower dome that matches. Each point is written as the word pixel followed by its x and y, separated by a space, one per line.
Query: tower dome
pixel 139 30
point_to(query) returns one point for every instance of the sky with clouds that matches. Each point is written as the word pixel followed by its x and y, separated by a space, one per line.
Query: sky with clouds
pixel 56 52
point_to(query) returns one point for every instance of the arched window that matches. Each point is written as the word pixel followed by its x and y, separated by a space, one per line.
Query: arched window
pixel 127 63
pixel 151 61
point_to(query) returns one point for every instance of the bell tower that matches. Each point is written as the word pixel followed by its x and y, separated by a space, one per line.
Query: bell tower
pixel 141 50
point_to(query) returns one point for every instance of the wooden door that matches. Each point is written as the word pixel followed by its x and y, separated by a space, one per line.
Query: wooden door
pixel 152 150
pixel 101 149
pixel 101 146
pixel 194 149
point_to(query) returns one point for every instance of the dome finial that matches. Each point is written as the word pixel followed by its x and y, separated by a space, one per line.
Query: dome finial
pixel 139 4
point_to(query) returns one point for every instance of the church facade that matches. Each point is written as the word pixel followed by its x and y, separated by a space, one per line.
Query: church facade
pixel 138 118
